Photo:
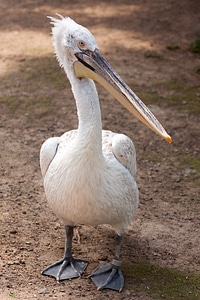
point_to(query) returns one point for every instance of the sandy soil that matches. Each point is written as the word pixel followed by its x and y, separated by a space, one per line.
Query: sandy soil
pixel 36 103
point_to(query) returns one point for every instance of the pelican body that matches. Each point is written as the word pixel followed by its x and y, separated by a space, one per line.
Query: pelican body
pixel 89 174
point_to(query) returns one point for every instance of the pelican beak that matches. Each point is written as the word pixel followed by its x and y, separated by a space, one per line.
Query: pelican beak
pixel 91 64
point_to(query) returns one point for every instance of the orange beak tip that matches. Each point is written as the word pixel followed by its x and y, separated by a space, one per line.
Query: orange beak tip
pixel 169 139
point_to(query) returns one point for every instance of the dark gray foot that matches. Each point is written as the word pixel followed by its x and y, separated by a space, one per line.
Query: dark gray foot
pixel 67 268
pixel 108 276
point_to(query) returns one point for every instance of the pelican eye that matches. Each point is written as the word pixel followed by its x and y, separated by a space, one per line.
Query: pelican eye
pixel 81 44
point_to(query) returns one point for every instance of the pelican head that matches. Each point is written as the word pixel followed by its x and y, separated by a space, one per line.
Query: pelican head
pixel 77 50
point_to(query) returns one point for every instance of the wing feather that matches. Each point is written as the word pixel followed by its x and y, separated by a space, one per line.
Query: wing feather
pixel 50 147
pixel 122 147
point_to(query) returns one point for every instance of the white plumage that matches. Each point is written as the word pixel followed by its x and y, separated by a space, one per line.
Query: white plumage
pixel 89 174
pixel 86 187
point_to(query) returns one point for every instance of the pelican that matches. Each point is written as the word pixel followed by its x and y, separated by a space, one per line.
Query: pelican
pixel 89 174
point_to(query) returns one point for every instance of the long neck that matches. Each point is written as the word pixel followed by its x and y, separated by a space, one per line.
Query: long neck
pixel 89 114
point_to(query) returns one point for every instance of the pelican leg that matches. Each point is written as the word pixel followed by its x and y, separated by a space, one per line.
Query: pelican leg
pixel 109 275
pixel 68 267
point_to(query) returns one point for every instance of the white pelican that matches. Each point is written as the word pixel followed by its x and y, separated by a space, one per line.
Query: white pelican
pixel 89 174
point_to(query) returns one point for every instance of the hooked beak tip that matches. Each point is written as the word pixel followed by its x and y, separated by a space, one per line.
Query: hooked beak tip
pixel 169 139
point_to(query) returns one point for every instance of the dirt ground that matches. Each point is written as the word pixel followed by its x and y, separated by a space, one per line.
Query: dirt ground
pixel 147 43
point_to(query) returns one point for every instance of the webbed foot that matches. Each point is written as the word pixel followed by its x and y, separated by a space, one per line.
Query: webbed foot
pixel 66 268
pixel 108 276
